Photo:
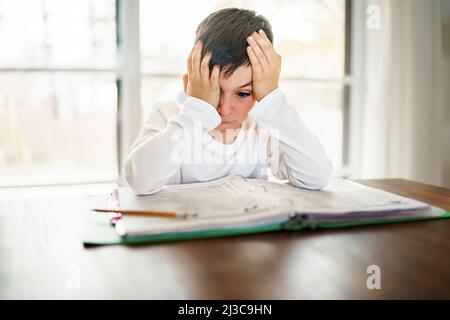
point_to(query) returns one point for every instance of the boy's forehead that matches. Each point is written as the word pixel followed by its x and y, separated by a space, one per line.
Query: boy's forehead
pixel 239 77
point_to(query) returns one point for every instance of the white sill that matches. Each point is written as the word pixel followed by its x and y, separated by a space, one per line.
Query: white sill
pixel 16 193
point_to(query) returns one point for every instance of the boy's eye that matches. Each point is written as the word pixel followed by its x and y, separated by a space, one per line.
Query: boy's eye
pixel 243 94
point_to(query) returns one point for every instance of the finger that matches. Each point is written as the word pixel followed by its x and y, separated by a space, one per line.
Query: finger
pixel 205 67
pixel 196 59
pixel 263 34
pixel 189 60
pixel 272 53
pixel 258 53
pixel 215 75
pixel 265 45
pixel 256 66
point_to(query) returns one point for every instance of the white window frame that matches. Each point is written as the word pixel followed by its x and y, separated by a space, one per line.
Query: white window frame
pixel 356 106
pixel 128 79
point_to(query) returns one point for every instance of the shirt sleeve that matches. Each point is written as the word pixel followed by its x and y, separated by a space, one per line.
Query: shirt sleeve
pixel 294 152
pixel 156 155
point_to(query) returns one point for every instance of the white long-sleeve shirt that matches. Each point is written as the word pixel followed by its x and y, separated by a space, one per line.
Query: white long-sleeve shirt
pixel 173 146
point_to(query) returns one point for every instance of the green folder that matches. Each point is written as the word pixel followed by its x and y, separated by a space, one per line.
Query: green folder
pixel 99 231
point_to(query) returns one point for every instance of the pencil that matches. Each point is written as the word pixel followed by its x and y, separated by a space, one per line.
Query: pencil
pixel 160 214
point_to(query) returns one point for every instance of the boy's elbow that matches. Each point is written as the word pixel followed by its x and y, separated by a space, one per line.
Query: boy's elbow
pixel 145 191
pixel 141 188
pixel 319 183
pixel 314 184
pixel 138 182
pixel 317 180
pixel 324 176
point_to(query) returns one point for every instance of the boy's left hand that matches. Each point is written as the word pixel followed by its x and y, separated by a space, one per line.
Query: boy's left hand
pixel 266 64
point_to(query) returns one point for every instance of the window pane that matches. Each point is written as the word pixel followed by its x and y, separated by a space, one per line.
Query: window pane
pixel 166 52
pixel 157 89
pixel 318 103
pixel 55 33
pixel 320 107
pixel 309 34
pixel 57 127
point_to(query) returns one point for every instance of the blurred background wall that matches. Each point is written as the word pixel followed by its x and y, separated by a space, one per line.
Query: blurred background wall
pixel 78 77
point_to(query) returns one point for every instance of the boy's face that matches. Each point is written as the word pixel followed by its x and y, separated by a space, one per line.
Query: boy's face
pixel 236 98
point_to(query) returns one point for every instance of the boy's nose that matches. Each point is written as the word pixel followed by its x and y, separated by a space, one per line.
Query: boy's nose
pixel 224 108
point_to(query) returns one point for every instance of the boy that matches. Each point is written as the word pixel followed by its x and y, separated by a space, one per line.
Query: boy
pixel 232 119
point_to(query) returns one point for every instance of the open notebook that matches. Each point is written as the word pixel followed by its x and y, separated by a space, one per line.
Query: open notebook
pixel 235 205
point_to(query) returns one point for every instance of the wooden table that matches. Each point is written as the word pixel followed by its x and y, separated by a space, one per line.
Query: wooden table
pixel 42 256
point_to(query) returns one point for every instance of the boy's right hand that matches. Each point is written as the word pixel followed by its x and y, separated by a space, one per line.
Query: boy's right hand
pixel 199 83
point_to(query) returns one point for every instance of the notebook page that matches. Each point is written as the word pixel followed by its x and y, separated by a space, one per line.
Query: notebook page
pixel 340 196
pixel 227 202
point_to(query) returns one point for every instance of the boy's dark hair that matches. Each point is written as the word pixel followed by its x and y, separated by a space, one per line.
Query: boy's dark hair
pixel 225 33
